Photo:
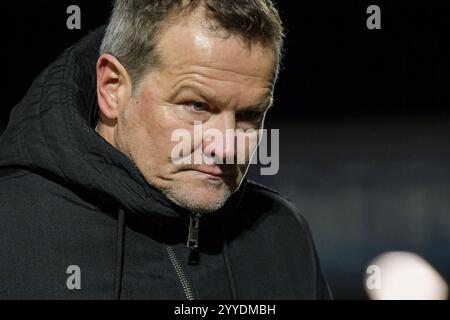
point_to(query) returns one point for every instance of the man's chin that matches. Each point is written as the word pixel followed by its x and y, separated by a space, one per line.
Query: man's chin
pixel 195 191
pixel 199 200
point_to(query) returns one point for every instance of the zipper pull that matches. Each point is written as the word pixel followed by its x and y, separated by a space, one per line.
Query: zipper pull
pixel 192 242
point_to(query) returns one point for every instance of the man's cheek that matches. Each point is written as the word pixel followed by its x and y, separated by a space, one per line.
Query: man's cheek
pixel 180 143
pixel 246 145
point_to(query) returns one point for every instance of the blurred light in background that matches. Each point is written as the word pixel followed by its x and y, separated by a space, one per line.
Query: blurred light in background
pixel 404 276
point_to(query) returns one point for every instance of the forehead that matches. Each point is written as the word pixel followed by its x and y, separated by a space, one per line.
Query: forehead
pixel 188 45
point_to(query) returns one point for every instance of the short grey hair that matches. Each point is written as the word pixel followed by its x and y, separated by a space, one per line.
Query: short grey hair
pixel 134 26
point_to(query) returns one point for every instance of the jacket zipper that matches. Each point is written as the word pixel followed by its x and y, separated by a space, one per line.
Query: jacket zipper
pixel 180 273
pixel 192 241
pixel 192 244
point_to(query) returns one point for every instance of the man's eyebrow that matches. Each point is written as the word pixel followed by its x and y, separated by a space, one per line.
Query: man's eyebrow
pixel 265 105
pixel 261 106
pixel 190 89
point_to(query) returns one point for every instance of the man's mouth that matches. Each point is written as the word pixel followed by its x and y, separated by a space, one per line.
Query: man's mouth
pixel 214 171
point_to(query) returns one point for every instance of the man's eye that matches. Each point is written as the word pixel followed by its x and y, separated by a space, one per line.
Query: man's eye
pixel 197 106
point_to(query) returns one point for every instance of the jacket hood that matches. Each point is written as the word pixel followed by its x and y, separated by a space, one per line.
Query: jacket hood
pixel 52 132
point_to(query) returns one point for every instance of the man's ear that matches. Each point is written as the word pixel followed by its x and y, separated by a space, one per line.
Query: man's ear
pixel 113 87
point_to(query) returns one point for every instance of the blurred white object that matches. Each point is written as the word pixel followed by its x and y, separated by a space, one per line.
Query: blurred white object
pixel 404 276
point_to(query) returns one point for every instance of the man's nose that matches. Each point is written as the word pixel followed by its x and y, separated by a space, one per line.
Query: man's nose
pixel 220 137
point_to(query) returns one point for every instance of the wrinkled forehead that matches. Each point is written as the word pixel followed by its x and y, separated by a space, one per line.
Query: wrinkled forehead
pixel 190 43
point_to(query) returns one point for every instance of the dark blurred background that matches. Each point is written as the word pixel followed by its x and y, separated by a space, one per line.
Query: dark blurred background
pixel 363 116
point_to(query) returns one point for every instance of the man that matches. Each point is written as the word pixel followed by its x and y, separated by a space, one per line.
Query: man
pixel 93 205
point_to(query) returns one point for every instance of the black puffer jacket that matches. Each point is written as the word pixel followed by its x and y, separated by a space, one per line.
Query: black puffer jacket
pixel 78 220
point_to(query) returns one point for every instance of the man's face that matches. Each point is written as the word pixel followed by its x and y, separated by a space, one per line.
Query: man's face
pixel 203 78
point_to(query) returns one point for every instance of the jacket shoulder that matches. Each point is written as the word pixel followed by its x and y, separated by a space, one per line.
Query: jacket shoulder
pixel 21 192
pixel 282 223
pixel 270 200
pixel 17 181
pixel 26 192
pixel 11 174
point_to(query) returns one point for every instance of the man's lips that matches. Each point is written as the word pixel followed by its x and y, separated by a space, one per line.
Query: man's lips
pixel 213 171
